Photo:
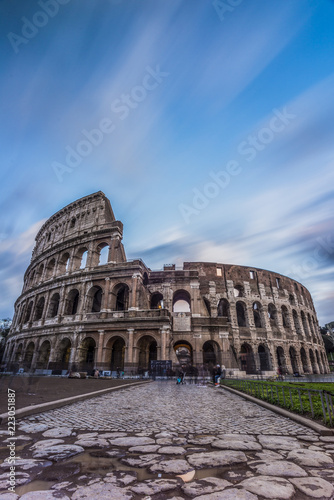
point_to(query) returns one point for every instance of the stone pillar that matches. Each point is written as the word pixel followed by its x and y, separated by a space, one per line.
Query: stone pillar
pixel 98 359
pixel 133 295
pixel 46 306
pixel 105 297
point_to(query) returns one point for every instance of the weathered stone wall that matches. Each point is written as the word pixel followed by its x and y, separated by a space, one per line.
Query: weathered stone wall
pixel 77 310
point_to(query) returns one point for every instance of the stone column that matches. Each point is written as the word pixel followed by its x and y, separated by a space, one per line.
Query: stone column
pixel 133 295
pixel 99 359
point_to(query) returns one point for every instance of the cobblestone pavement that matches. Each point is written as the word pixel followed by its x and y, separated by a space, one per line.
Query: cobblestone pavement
pixel 161 441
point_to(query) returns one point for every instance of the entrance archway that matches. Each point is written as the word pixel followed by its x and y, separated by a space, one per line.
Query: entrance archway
pixel 86 354
pixel 29 355
pixel 303 358
pixel 117 347
pixel 148 351
pixel 293 359
pixel 44 355
pixel 210 354
pixel 313 362
pixel 264 358
pixel 247 360
pixel 281 361
pixel 64 353
pixel 184 353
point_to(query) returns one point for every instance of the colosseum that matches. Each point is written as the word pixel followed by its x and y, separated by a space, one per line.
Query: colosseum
pixel 85 306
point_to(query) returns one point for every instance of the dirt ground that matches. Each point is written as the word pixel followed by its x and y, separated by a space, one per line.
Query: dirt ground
pixel 35 390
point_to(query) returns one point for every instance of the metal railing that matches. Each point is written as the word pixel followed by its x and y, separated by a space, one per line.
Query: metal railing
pixel 316 404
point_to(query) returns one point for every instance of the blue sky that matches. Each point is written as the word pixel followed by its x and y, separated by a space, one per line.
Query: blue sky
pixel 217 130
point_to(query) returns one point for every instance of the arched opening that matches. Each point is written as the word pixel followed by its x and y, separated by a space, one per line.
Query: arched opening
pixel 293 359
pixel 184 353
pixel 50 269
pixel 83 262
pixel 285 317
pixel 296 323
pixel 291 299
pixel 39 273
pixel 145 279
pixel 28 356
pixel 210 354
pixel 32 278
pixel 54 305
pixel 44 355
pixel 257 310
pixel 223 309
pixel 148 351
pixel 86 354
pixel 94 299
pixel 64 263
pixel 247 361
pixel 39 309
pixel 310 324
pixel 207 306
pixel 319 362
pixel 241 313
pixel 281 361
pixel 239 291
pixel 64 353
pixel 103 253
pixel 264 358
pixel 18 353
pixel 28 312
pixel 303 358
pixel 304 323
pixel 120 295
pixel 157 301
pixel 181 301
pixel 72 302
pixel 272 314
pixel 116 348
pixel 313 362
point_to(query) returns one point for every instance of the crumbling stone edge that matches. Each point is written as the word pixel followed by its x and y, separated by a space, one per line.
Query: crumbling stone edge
pixel 51 405
pixel 321 429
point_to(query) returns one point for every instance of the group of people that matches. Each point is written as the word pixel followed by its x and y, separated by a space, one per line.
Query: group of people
pixel 218 373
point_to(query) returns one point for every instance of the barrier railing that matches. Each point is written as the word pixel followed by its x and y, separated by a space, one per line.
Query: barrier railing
pixel 316 404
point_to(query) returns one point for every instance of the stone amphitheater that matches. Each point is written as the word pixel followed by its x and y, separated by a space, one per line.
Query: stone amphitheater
pixel 85 306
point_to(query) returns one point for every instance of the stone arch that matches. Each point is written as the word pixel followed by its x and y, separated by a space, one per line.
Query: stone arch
pixel 304 323
pixel 102 254
pixel 145 279
pixel 120 297
pixel 281 359
pixel 211 354
pixel 64 353
pixel 39 308
pixel 181 301
pixel 147 352
pixel 39 273
pixel 285 317
pixel 63 263
pixel 54 305
pixel 50 269
pixel 247 360
pixel 72 302
pixel 310 324
pixel 297 323
pixel 115 352
pixel 18 353
pixel 264 358
pixel 94 299
pixel 223 309
pixel 27 316
pixel 157 301
pixel 184 353
pixel 257 315
pixel 304 361
pixel 28 356
pixel 207 305
pixel 241 313
pixel 313 362
pixel 86 354
pixel 272 315
pixel 239 291
pixel 321 370
pixel 80 258
pixel 43 355
pixel 293 359
pixel 291 299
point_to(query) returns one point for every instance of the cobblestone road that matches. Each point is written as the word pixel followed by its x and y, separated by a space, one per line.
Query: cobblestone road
pixel 162 441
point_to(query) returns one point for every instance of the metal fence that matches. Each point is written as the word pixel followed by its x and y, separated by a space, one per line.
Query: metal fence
pixel 317 404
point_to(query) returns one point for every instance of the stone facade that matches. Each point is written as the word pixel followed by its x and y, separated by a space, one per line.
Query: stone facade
pixel 84 304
